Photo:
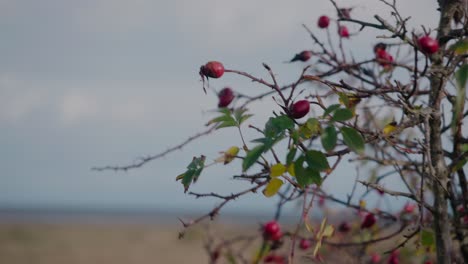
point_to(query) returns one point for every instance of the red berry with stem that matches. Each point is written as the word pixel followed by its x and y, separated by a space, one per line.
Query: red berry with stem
pixel 428 45
pixel 305 244
pixel 343 32
pixel 369 221
pixel 384 58
pixel 323 22
pixel 299 109
pixel 212 69
pixel 225 97
pixel 271 230
pixel 276 236
pixel 409 208
pixel 302 56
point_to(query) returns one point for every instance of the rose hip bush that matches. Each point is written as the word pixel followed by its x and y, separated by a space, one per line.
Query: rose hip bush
pixel 398 116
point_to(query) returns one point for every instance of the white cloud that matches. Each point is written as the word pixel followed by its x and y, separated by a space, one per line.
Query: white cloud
pixel 18 99
pixel 77 106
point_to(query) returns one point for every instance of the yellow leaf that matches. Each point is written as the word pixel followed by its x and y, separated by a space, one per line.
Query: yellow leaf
pixel 291 170
pixel 277 170
pixel 317 247
pixel 309 227
pixel 329 230
pixel 272 187
pixel 389 128
pixel 362 204
pixel 228 155
pixel 180 177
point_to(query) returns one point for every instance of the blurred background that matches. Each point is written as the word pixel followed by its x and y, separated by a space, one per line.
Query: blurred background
pixel 102 82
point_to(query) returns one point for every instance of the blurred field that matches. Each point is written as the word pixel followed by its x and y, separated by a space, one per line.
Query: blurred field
pixel 99 243
pixel 117 239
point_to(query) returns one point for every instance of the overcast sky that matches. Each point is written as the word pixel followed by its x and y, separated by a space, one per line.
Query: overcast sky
pixel 102 82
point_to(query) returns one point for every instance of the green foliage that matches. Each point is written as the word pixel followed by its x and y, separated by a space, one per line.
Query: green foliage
pixel 461 47
pixel 230 118
pixel 316 160
pixel 306 175
pixel 252 156
pixel 194 170
pixel 461 76
pixel 329 138
pixel 342 114
pixel 331 109
pixel 427 238
pixel 353 139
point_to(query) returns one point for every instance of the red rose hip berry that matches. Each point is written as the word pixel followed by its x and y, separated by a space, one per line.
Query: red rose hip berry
pixel 323 22
pixel 212 69
pixel 343 32
pixel 384 58
pixel 272 230
pixel 225 97
pixel 304 244
pixel 369 221
pixel 299 109
pixel 428 45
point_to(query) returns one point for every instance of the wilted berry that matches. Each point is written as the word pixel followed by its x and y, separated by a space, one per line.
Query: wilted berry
pixel 302 56
pixel 225 97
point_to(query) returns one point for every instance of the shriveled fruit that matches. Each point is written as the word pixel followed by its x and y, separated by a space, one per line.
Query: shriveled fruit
pixel 225 97
pixel 302 56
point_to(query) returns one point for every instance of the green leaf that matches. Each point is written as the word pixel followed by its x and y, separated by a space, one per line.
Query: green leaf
pixel 227 124
pixel 306 176
pixel 313 125
pixel 329 138
pixel 317 160
pixel 240 116
pixel 459 165
pixel 427 238
pixel 277 125
pixel 464 147
pixel 462 76
pixel 342 114
pixel 252 156
pixel 194 170
pixel 353 139
pixel 291 155
pixel 461 47
pixel 331 109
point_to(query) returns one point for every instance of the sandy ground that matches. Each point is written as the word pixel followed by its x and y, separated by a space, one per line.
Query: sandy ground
pixel 102 243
